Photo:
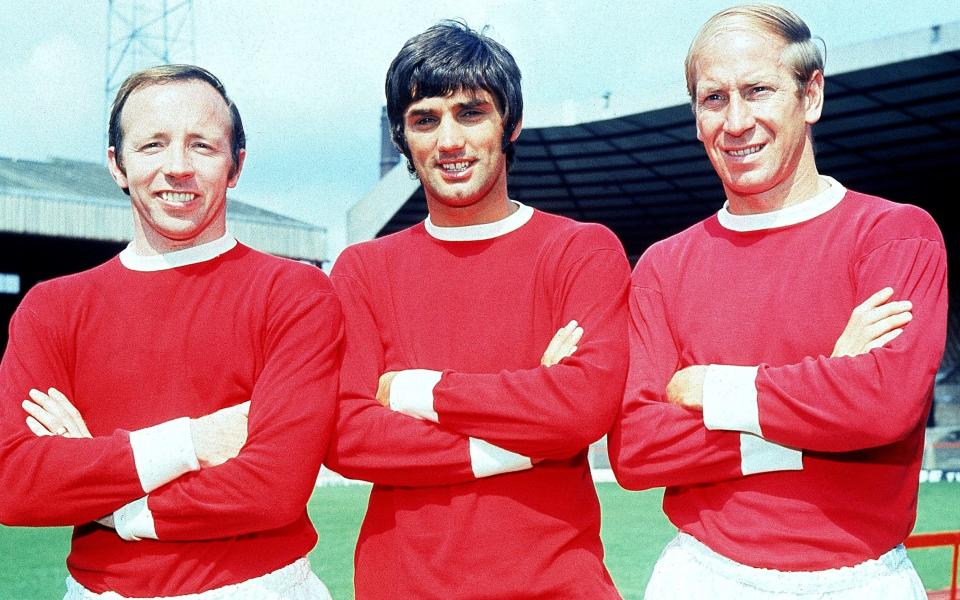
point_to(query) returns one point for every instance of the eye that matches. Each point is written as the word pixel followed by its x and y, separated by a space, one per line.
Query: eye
pixel 712 100
pixel 148 146
pixel 473 114
pixel 422 122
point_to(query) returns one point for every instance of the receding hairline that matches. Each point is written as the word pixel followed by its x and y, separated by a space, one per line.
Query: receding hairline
pixel 145 85
pixel 798 52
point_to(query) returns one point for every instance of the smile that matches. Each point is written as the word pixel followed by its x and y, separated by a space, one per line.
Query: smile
pixel 746 151
pixel 456 167
pixel 176 197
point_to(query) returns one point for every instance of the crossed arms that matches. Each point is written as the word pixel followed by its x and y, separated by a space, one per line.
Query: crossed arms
pixel 73 479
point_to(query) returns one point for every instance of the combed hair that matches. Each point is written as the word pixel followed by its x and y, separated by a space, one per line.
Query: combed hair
pixel 447 58
pixel 801 54
pixel 168 74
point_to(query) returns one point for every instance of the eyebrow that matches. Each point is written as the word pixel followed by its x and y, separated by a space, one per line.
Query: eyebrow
pixel 474 103
pixel 420 112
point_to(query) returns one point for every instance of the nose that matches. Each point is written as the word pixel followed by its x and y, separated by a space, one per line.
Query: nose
pixel 450 136
pixel 177 164
pixel 739 117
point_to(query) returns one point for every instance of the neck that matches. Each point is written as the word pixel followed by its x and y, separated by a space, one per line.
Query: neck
pixel 801 185
pixel 493 207
pixel 147 242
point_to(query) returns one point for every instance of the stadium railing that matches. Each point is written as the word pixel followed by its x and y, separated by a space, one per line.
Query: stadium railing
pixel 940 538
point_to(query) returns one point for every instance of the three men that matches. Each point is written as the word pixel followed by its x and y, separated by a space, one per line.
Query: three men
pixel 759 292
pixel 479 459
pixel 185 322
pixel 803 463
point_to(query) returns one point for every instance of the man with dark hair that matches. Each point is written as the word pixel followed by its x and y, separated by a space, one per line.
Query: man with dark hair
pixel 185 322
pixel 795 469
pixel 479 451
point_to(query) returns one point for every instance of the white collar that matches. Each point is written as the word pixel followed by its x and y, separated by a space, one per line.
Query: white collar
pixel 484 231
pixel 178 258
pixel 791 215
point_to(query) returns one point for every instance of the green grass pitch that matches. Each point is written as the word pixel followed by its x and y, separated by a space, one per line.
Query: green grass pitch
pixel 634 532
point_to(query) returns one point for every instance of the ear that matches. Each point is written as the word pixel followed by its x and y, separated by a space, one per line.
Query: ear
pixel 813 98
pixel 516 131
pixel 116 171
pixel 232 182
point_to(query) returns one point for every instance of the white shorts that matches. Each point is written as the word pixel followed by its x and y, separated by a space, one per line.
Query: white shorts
pixel 293 582
pixel 689 569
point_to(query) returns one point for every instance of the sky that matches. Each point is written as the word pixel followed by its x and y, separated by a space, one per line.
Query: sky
pixel 308 76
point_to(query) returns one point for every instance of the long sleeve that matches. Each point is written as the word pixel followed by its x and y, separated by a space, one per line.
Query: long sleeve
pixel 48 481
pixel 555 412
pixel 291 415
pixel 654 443
pixel 876 398
pixel 852 403
pixel 372 442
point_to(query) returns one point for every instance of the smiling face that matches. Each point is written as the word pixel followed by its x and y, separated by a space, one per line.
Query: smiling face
pixel 455 144
pixel 753 123
pixel 177 164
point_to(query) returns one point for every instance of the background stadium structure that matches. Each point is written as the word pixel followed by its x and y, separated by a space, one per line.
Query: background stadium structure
pixel 890 127
pixel 60 216
pixel 142 33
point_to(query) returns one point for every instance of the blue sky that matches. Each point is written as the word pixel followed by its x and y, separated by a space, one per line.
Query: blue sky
pixel 308 76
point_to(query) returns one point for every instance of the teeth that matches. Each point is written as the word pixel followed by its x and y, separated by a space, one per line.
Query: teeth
pixel 746 151
pixel 455 167
pixel 179 198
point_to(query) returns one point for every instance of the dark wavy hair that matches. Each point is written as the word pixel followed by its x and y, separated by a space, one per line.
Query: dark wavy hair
pixel 447 58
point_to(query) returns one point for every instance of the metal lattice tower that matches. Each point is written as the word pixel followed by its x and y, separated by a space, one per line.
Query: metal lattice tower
pixel 143 33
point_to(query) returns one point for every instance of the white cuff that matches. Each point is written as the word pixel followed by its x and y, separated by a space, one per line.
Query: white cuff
pixel 487 459
pixel 757 455
pixel 107 521
pixel 730 399
pixel 134 521
pixel 163 452
pixel 411 393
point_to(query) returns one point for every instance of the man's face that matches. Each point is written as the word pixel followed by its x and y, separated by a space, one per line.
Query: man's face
pixel 750 118
pixel 455 143
pixel 176 154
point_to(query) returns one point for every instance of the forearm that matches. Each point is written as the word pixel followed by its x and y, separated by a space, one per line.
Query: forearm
pixel 825 404
pixel 546 413
pixel 291 414
pixel 655 444
pixel 375 444
pixel 543 412
pixel 840 404
pixel 74 481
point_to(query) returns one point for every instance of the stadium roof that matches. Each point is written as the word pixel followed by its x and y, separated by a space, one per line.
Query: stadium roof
pixel 890 127
pixel 890 121
pixel 66 198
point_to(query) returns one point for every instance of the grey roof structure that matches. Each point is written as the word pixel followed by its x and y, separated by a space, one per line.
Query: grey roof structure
pixel 890 127
pixel 74 199
pixel 886 130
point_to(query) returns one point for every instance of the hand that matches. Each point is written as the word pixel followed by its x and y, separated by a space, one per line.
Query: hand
pixel 686 387
pixel 383 388
pixel 873 324
pixel 219 436
pixel 563 344
pixel 53 414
